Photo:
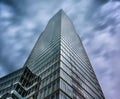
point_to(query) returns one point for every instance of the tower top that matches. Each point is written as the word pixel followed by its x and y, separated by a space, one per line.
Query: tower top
pixel 61 23
pixel 61 11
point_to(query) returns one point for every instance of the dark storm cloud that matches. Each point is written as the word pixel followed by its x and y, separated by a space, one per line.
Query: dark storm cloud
pixel 16 33
pixel 17 6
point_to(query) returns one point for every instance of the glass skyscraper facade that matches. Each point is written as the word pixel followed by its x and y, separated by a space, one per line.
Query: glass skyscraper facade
pixel 59 58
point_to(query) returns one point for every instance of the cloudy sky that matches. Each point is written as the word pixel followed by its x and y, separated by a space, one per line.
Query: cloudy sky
pixel 96 21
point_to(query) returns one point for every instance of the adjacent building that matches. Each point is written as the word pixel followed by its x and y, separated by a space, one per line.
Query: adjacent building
pixel 60 60
pixel 21 84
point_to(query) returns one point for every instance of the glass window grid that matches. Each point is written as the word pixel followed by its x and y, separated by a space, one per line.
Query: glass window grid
pixel 44 53
pixel 66 88
pixel 10 77
pixel 65 68
pixel 50 78
pixel 49 45
pixel 63 95
pixel 75 56
pixel 49 70
pixel 77 61
pixel 8 82
pixel 81 78
pixel 49 89
pixel 47 64
pixel 80 68
pixel 83 82
pixel 67 47
pixel 74 68
pixel 81 48
pixel 45 61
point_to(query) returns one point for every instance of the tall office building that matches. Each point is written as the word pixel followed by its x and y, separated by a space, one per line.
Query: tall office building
pixel 59 58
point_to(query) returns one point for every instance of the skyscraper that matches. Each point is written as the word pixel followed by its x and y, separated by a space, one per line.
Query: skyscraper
pixel 59 58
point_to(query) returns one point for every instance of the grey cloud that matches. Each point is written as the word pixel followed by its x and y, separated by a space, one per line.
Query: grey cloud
pixel 104 49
